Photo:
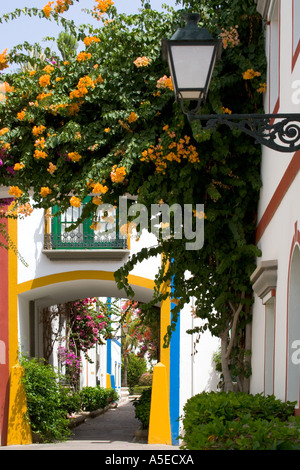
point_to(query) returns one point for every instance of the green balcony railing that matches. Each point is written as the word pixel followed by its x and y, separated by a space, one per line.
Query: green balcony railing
pixel 84 237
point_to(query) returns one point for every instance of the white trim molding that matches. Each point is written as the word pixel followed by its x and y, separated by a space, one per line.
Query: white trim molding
pixel 264 278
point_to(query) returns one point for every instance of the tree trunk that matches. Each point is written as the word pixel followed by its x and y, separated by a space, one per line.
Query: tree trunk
pixel 228 385
pixel 124 381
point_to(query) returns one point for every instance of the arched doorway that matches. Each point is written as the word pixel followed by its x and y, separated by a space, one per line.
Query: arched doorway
pixel 293 329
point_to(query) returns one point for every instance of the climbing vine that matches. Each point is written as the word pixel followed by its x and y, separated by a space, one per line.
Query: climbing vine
pixel 105 122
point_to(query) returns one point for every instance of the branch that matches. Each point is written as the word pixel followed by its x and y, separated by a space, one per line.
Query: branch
pixel 234 325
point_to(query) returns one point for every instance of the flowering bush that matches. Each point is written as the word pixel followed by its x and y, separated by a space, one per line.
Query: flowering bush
pixel 146 379
pixel 108 107
pixel 88 325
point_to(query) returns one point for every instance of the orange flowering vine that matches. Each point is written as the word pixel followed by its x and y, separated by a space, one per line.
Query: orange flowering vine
pixel 4 60
pixel 44 80
pixel 75 201
pixel 89 40
pixel 21 115
pixel 18 166
pixel 45 191
pixel 15 191
pixel 74 156
pixel 82 56
pixel 132 117
pixel 117 175
pixel 38 130
pixel 250 74
pixel 165 82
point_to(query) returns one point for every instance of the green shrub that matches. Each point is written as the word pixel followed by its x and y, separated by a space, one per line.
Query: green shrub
pixel 239 421
pixel 71 400
pixel 47 405
pixel 112 395
pixel 136 366
pixel 94 398
pixel 142 407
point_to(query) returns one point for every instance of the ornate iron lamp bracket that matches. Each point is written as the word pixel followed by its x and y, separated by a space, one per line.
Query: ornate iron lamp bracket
pixel 280 132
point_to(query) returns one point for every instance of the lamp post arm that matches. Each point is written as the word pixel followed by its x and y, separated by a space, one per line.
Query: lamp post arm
pixel 280 132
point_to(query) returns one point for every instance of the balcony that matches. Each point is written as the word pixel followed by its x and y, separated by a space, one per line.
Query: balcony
pixel 84 242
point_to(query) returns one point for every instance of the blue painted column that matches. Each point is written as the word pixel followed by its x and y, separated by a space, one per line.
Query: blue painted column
pixel 109 356
pixel 175 378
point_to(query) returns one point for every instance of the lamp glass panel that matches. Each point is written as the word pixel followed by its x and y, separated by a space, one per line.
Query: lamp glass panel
pixel 192 65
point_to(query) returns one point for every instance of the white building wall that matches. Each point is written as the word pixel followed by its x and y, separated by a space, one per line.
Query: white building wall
pixel 283 191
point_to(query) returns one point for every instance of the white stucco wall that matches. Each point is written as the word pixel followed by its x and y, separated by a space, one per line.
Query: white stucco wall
pixel 276 240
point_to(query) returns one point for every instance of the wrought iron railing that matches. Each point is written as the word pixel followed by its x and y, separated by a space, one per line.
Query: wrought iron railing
pixel 59 236
pixel 73 241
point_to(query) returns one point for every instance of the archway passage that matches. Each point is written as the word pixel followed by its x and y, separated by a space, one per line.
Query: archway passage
pixel 293 333
pixel 65 286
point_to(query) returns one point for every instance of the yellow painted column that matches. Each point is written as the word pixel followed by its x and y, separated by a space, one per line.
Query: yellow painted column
pixel 165 320
pixel 12 293
pixel 19 431
pixel 108 381
pixel 159 425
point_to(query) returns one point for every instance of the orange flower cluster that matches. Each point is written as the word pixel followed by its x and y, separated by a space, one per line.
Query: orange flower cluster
pixel 45 191
pixel 18 166
pixel 230 37
pixel 98 188
pixel 142 61
pixel 176 152
pixel 226 110
pixel 62 5
pixel 132 117
pixel 250 74
pixel 21 210
pixel 38 130
pixel 21 115
pixel 40 143
pixel 101 8
pixel 82 56
pixel 4 130
pixel 117 175
pixel 75 201
pixel 262 88
pixel 47 9
pixel 43 96
pixel 15 191
pixel 4 89
pixel 165 82
pixel 99 79
pixel 4 60
pixel 51 168
pixel 40 154
pixel 97 200
pixel 74 156
pixel 44 80
pixel 89 40
pixel 48 69
pixel 82 87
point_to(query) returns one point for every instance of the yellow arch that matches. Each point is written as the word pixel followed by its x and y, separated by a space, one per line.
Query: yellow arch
pixel 78 275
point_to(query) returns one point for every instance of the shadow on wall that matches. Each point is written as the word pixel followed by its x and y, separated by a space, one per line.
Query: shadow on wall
pixel 214 378
pixel 19 431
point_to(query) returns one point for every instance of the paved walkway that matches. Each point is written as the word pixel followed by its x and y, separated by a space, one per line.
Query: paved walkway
pixel 113 430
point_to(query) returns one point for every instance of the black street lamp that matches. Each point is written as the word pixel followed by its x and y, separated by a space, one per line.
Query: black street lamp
pixel 192 53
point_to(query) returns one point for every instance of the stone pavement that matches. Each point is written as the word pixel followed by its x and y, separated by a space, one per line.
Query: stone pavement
pixel 111 431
